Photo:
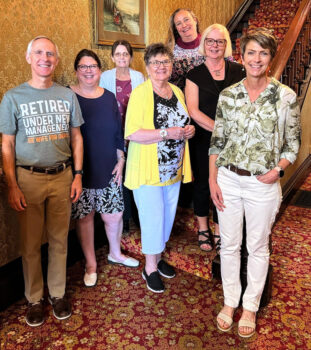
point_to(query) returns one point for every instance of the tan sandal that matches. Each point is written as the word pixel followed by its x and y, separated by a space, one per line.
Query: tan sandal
pixel 246 323
pixel 226 319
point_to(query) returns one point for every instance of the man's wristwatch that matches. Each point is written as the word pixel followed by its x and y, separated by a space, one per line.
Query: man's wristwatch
pixel 280 170
pixel 78 172
pixel 163 133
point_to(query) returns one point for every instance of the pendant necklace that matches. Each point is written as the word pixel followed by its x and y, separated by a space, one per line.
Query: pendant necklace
pixel 218 71
pixel 164 95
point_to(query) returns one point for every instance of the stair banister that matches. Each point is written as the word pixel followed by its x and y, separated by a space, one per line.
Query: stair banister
pixel 280 60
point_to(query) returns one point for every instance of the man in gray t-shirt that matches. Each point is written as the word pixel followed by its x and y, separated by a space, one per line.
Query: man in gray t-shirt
pixel 41 142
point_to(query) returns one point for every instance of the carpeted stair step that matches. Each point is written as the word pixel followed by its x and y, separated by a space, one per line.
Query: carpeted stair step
pixel 274 15
pixel 182 249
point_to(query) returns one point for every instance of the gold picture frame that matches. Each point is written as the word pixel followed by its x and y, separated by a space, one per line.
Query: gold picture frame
pixel 120 20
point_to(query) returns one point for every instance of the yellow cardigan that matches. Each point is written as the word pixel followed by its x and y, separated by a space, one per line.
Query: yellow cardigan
pixel 142 160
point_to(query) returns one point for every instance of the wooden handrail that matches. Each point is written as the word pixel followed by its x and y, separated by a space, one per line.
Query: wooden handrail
pixel 280 60
pixel 238 15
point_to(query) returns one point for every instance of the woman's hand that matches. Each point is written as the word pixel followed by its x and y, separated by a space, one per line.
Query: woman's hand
pixel 270 177
pixel 118 171
pixel 175 133
pixel 216 196
pixel 189 131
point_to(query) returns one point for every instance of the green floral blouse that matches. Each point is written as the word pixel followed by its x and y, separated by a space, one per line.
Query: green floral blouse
pixel 255 135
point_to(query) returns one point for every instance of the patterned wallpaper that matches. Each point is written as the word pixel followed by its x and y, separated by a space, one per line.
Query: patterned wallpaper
pixel 69 23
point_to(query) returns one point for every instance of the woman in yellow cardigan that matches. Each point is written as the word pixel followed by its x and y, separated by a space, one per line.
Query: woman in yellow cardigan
pixel 157 125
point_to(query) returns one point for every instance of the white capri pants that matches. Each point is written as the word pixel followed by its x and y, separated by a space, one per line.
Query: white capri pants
pixel 259 202
pixel 156 209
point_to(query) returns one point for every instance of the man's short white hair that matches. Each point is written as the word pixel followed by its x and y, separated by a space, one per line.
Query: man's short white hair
pixel 29 47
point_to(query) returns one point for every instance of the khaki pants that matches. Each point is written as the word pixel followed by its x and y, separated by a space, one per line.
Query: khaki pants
pixel 48 210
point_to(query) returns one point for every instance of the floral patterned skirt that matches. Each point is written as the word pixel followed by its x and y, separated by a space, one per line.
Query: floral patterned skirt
pixel 108 200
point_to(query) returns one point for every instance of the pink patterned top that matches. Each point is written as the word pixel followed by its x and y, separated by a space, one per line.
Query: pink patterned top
pixel 186 57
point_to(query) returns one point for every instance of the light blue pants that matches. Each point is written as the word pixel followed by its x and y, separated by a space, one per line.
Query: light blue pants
pixel 156 209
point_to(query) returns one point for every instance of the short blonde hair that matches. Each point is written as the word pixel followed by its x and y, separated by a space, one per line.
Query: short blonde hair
pixel 221 28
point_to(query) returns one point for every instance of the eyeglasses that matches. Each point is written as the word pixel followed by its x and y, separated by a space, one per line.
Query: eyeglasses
pixel 219 42
pixel 157 63
pixel 120 54
pixel 41 52
pixel 84 67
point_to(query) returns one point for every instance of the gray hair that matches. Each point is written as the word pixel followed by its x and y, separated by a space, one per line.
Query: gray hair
pixel 222 29
pixel 29 47
pixel 155 49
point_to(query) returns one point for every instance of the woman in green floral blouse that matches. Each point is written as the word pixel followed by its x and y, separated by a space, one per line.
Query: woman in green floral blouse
pixel 256 136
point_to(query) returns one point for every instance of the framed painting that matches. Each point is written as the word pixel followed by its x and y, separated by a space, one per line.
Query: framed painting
pixel 120 20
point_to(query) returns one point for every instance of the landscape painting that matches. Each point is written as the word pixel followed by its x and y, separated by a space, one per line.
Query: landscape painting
pixel 120 19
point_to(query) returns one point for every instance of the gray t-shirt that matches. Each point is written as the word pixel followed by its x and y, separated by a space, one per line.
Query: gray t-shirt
pixel 41 120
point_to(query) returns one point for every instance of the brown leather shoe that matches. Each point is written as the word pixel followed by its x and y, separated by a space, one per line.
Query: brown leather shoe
pixel 61 307
pixel 35 315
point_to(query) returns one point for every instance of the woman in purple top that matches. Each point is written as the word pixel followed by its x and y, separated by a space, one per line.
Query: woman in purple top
pixel 121 80
pixel 103 166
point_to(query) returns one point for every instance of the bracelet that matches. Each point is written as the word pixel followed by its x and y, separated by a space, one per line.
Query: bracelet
pixel 122 157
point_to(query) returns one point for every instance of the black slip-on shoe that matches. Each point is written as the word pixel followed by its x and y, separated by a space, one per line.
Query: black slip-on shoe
pixel 165 269
pixel 154 282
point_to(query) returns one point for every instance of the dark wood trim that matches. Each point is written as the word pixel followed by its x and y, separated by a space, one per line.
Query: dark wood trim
pixel 234 21
pixel 295 181
pixel 292 186
pixel 285 50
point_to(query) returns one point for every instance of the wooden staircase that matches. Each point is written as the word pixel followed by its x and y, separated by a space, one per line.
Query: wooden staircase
pixel 289 21
pixel 291 65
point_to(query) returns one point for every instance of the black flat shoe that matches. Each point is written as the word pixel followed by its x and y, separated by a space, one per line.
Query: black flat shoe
pixel 154 282
pixel 165 269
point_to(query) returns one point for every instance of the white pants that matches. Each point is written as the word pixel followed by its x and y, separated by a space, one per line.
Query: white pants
pixel 259 202
pixel 156 209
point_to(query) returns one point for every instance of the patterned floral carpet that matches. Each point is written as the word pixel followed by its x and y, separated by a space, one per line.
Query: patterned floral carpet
pixel 120 313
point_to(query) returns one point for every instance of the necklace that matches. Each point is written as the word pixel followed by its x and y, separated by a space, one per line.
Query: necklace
pixel 218 71
pixel 162 94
